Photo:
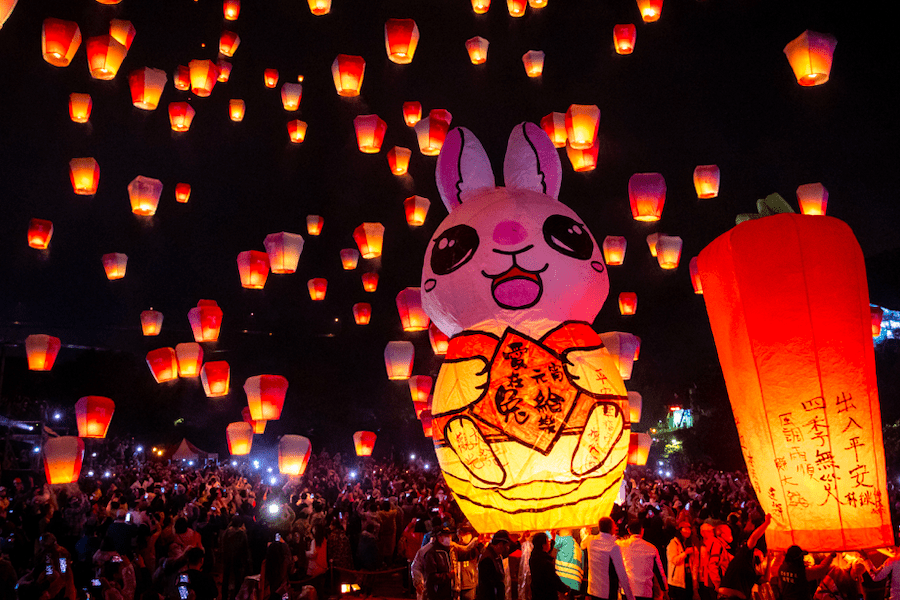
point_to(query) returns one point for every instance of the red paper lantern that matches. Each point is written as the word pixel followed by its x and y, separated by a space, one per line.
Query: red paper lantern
pixel 439 340
pixel 554 125
pixel 62 459
pixel 362 313
pixel 635 404
pixel 93 415
pixel 533 60
pixel 206 321
pixel 224 68
pixel 270 77
pixel 317 288
pixel 59 41
pixel 228 43
pixel 480 6
pixel 582 122
pixel 420 387
pixel 236 109
pixel 181 114
pixel 146 87
pixel 240 438
pixel 41 351
pixel 516 8
pixel 182 78
pixel 637 348
pixel 432 131
pixel 810 57
pixel 398 359
pixel 258 426
pixel 412 113
pixel 668 251
pixel 639 449
pixel 151 322
pixel 314 224
pixel 297 131
pixel 614 250
pixel 294 450
pixel 253 268
pixel 39 233
pixel 144 193
pixel 425 418
pixel 706 181
pixel 651 243
pixel 409 306
pixel 370 131
pixel 284 251
pixel 80 107
pixel 416 208
pixel 204 74
pixel 163 364
pixel 813 198
pixel 231 9
pixel 123 32
pixel 182 192
pixel 627 303
pixel 364 442
pixel 291 93
pixel 319 7
pixel 84 173
pixel 877 314
pixel 477 48
pixel 369 237
pixel 622 347
pixel 624 37
pixel 105 56
pixel 583 160
pixel 370 281
pixel 347 72
pixel 349 258
pixel 398 159
pixel 114 265
pixel 216 378
pixel 420 407
pixel 190 359
pixel 400 39
pixel 695 276
pixel 647 193
pixel 265 396
pixel 650 10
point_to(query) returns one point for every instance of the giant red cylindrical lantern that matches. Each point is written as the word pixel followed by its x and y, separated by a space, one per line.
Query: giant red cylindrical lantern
pixel 398 159
pixel 216 378
pixel 151 322
pixel 163 364
pixel 93 415
pixel 265 396
pixel 41 351
pixel 317 287
pixel 190 359
pixel 59 41
pixel 80 107
pixel 624 37
pixel 810 57
pixel 84 173
pixel 314 224
pixel 114 264
pixel 627 303
pixel 258 426
pixel 284 251
pixel 147 87
pixel 105 56
pixel 583 160
pixel 144 193
pixel 416 208
pixel 291 93
pixel 231 9
pixel 293 452
pixel 364 442
pixel 706 181
pixel 228 43
pixel 40 231
pixel 181 115
pixel 349 258
pixel 398 359
pixel 409 306
pixel 253 268
pixel 647 193
pixel 370 130
pixel 554 125
pixel 369 237
pixel 348 72
pixel 62 459
pixel 240 438
pixel 412 113
pixel 123 32
pixel 438 339
pixel 370 281
pixel 400 39
pixel 614 250
pixel 206 321
pixel 813 198
pixel 650 10
pixel 420 387
pixel 668 251
pixel 204 75
pixel 582 122
pixel 477 47
pixel 362 313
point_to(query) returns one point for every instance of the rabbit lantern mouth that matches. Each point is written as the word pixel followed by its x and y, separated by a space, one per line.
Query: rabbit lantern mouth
pixel 517 288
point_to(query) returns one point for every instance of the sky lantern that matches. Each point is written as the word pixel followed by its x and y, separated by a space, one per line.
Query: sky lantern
pixel 181 114
pixel 62 459
pixel 398 359
pixel 481 6
pixel 421 407
pixel 369 237
pixel 637 348
pixel 182 78
pixel 294 450
pixel 319 7
pixel 204 75
pixel 84 173
pixel 59 41
pixel 813 198
pixel 258 426
pixel 635 404
pixel 253 268
pixel 420 387
pixel 695 276
pixel 537 3
pixel 412 113
pixel 614 250
pixel 439 340
pixel 231 9
pixel 6 8
pixel 224 68
pixel 41 351
pixel 668 251
pixel 432 131
pixel 624 37
pixel 146 87
pixel 151 322
pixel 627 303
pixel 427 421
pixel 114 264
pixel 182 192
pixel 650 10
pixel 347 72
pixel 123 32
pixel 190 358
pixel 621 347
pixel 370 131
pixel 416 208
pixel 270 78
pixel 163 364
pixel 105 56
pixel 516 8
pixel 265 396
pixel 706 181
pixel 284 251
pixel 877 314
pixel 296 131
pixel 477 48
pixel 788 306
pixel 317 288
pixel 240 438
pixel 216 378
pixel 290 95
pixel 362 313
pixel 810 57
pixel 39 233
pixel 398 159
pixel 554 125
pixel 228 43
pixel 647 193
pixel 236 110
pixel 370 282
pixel 314 224
pixel 144 192
pixel 80 107
pixel 583 160
pixel 639 449
pixel 400 39
pixel 206 321
pixel 409 306
pixel 534 63
pixel 349 258
pixel 652 239
pixel 582 122
pixel 364 442
pixel 93 415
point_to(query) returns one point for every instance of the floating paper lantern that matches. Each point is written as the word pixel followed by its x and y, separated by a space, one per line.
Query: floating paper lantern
pixel 182 192
pixel 534 63
pixel 439 340
pixel 231 9
pixel 114 264
pixel 123 32
pixel 582 122
pixel 319 7
pixel 80 107
pixel 668 251
pixel 294 450
pixel 637 348
pixel 347 72
pixel 362 313
pixel 190 358
pixel 583 160
pixel 370 281
pixel 317 288
pixel 206 321
pixel 706 181
pixel 204 75
pixel 477 48
pixel 284 251
pixel 810 57
pixel 228 43
pixel 400 39
pixel 614 250
pixel 146 87
pixel 144 192
pixel 409 306
pixel 420 387
pixel 788 305
pixel 62 459
pixel 314 224
pixel 265 396
pixel 412 113
pixel 182 78
pixel 41 351
pixel 421 407
pixel 93 415
pixel 236 110
pixel 554 125
pixel 639 449
pixel 813 198
pixel 427 423
pixel 181 114
pixel 537 3
pixel 416 208
pixel 481 6
pixel 652 239
pixel 290 95
pixel 635 404
pixel 516 8
pixel 432 131
pixel 349 258
pixel 877 314
pixel 370 131
pixel 224 68
pixel 216 378
pixel 163 364
pixel 297 131
pixel 369 237
pixel 105 56
pixel 627 303
pixel 647 193
pixel 240 438
pixel 253 267
pixel 621 347
pixel 270 78
pixel 151 322
pixel 258 426
pixel 695 276
pixel 39 233
pixel 398 360
pixel 398 159
pixel 59 41
pixel 364 442
pixel 624 37
pixel 84 173
pixel 650 10
pixel 6 8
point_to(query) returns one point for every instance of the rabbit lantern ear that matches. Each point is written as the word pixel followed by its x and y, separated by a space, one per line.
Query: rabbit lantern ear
pixel 531 162
pixel 463 168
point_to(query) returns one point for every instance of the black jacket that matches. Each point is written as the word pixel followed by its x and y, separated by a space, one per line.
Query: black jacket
pixel 545 583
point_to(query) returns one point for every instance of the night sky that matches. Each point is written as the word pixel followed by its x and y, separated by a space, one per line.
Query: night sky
pixel 707 84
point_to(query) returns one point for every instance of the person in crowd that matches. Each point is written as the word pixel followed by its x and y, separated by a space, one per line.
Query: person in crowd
pixel 417 570
pixel 606 565
pixel 643 564
pixel 201 583
pixel 437 569
pixel 683 559
pixel 842 582
pixel 491 582
pixel 464 561
pixel 795 577
pixel 235 557
pixel 568 559
pixel 546 583
pixel 747 568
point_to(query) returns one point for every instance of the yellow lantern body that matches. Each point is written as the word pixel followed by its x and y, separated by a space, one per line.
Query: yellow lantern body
pixel 284 251
pixel 181 115
pixel 253 268
pixel 182 192
pixel 84 174
pixel 349 258
pixel 123 32
pixel 401 36
pixel 614 250
pixel 650 10
pixel 398 360
pixel 627 303
pixel 409 306
pixel 370 130
pixel 582 122
pixel 416 208
pixel 258 426
pixel 151 322
pixel 114 264
pixel 370 281
pixel 635 405
pixel 62 459
pixel 41 351
pixel 265 396
pixel 319 7
pixel 40 231
pixel 477 47
pixel 105 56
pixel 204 75
pixel 291 93
pixel 80 107
pixel 624 37
pixel 240 438
pixel 668 251
pixel 144 193
pixel 554 125
pixel 647 194
pixel 362 313
pixel 347 72
pixel 412 113
pixel 216 378
pixel 706 181
pixel 314 224
pixel 369 237
pixel 813 198
pixel 147 87
pixel 364 442
pixel 206 321
pixel 398 159
pixel 236 110
pixel 317 288
pixel 293 452
pixel 93 415
pixel 163 364
pixel 59 41
pixel 810 57
pixel 534 63
pixel 190 359
pixel 297 132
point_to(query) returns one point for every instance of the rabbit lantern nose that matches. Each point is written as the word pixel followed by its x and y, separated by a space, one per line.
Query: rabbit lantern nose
pixel 509 233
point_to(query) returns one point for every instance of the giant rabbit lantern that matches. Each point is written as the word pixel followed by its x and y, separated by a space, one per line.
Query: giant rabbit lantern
pixel 530 415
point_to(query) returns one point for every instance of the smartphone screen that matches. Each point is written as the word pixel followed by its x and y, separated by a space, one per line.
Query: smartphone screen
pixel 95 582
pixel 183 592
pixel 277 537
pixel 183 578
pixel 48 569
pixel 62 564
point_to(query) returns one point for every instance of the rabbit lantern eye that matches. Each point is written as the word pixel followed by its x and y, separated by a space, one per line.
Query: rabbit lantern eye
pixel 568 236
pixel 453 248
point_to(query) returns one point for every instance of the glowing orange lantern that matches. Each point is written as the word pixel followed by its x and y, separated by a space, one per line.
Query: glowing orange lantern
pixel 650 10
pixel 284 251
pixel 296 131
pixel 635 404
pixel 39 233
pixel 420 387
pixel 181 114
pixel 706 181
pixel 400 39
pixel 639 449
pixel 144 192
pixel 206 321
pixel 810 57
pixel 62 459
pixel 265 396
pixel 877 314
pixel 349 258
pixel 93 415
pixel 364 442
pixel 412 113
pixel 270 77
pixel 59 41
pixel 319 7
pixel 695 276
pixel 398 159
pixel 123 32
pixel 432 131
pixel 182 78
pixel 652 239
pixel 347 72
pixel 240 438
pixel 190 359
pixel 216 378
pixel 317 288
pixel 426 419
pixel 554 125
pixel 622 347
pixel 290 95
pixel 614 250
pixel 370 281
pixel 151 322
pixel 516 8
pixel 647 193
pixel 182 192
pixel 80 107
pixel 627 303
pixel 398 359
pixel 204 75
pixel 813 198
pixel 416 208
pixel 236 110
pixel 439 340
pixel 253 268
pixel 582 122
pixel 258 426
pixel 362 313
pixel 146 87
pixel 668 251
pixel 224 68
pixel 314 224
pixel 6 8
pixel 481 6
pixel 84 174
pixel 228 43
pixel 583 160
pixel 637 348
pixel 478 49
pixel 537 3
pixel 369 237
pixel 163 364
pixel 114 264
pixel 294 450
pixel 105 56
pixel 41 351
pixel 409 306
pixel 534 63
pixel 421 407
pixel 624 37
pixel 370 131
pixel 231 9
